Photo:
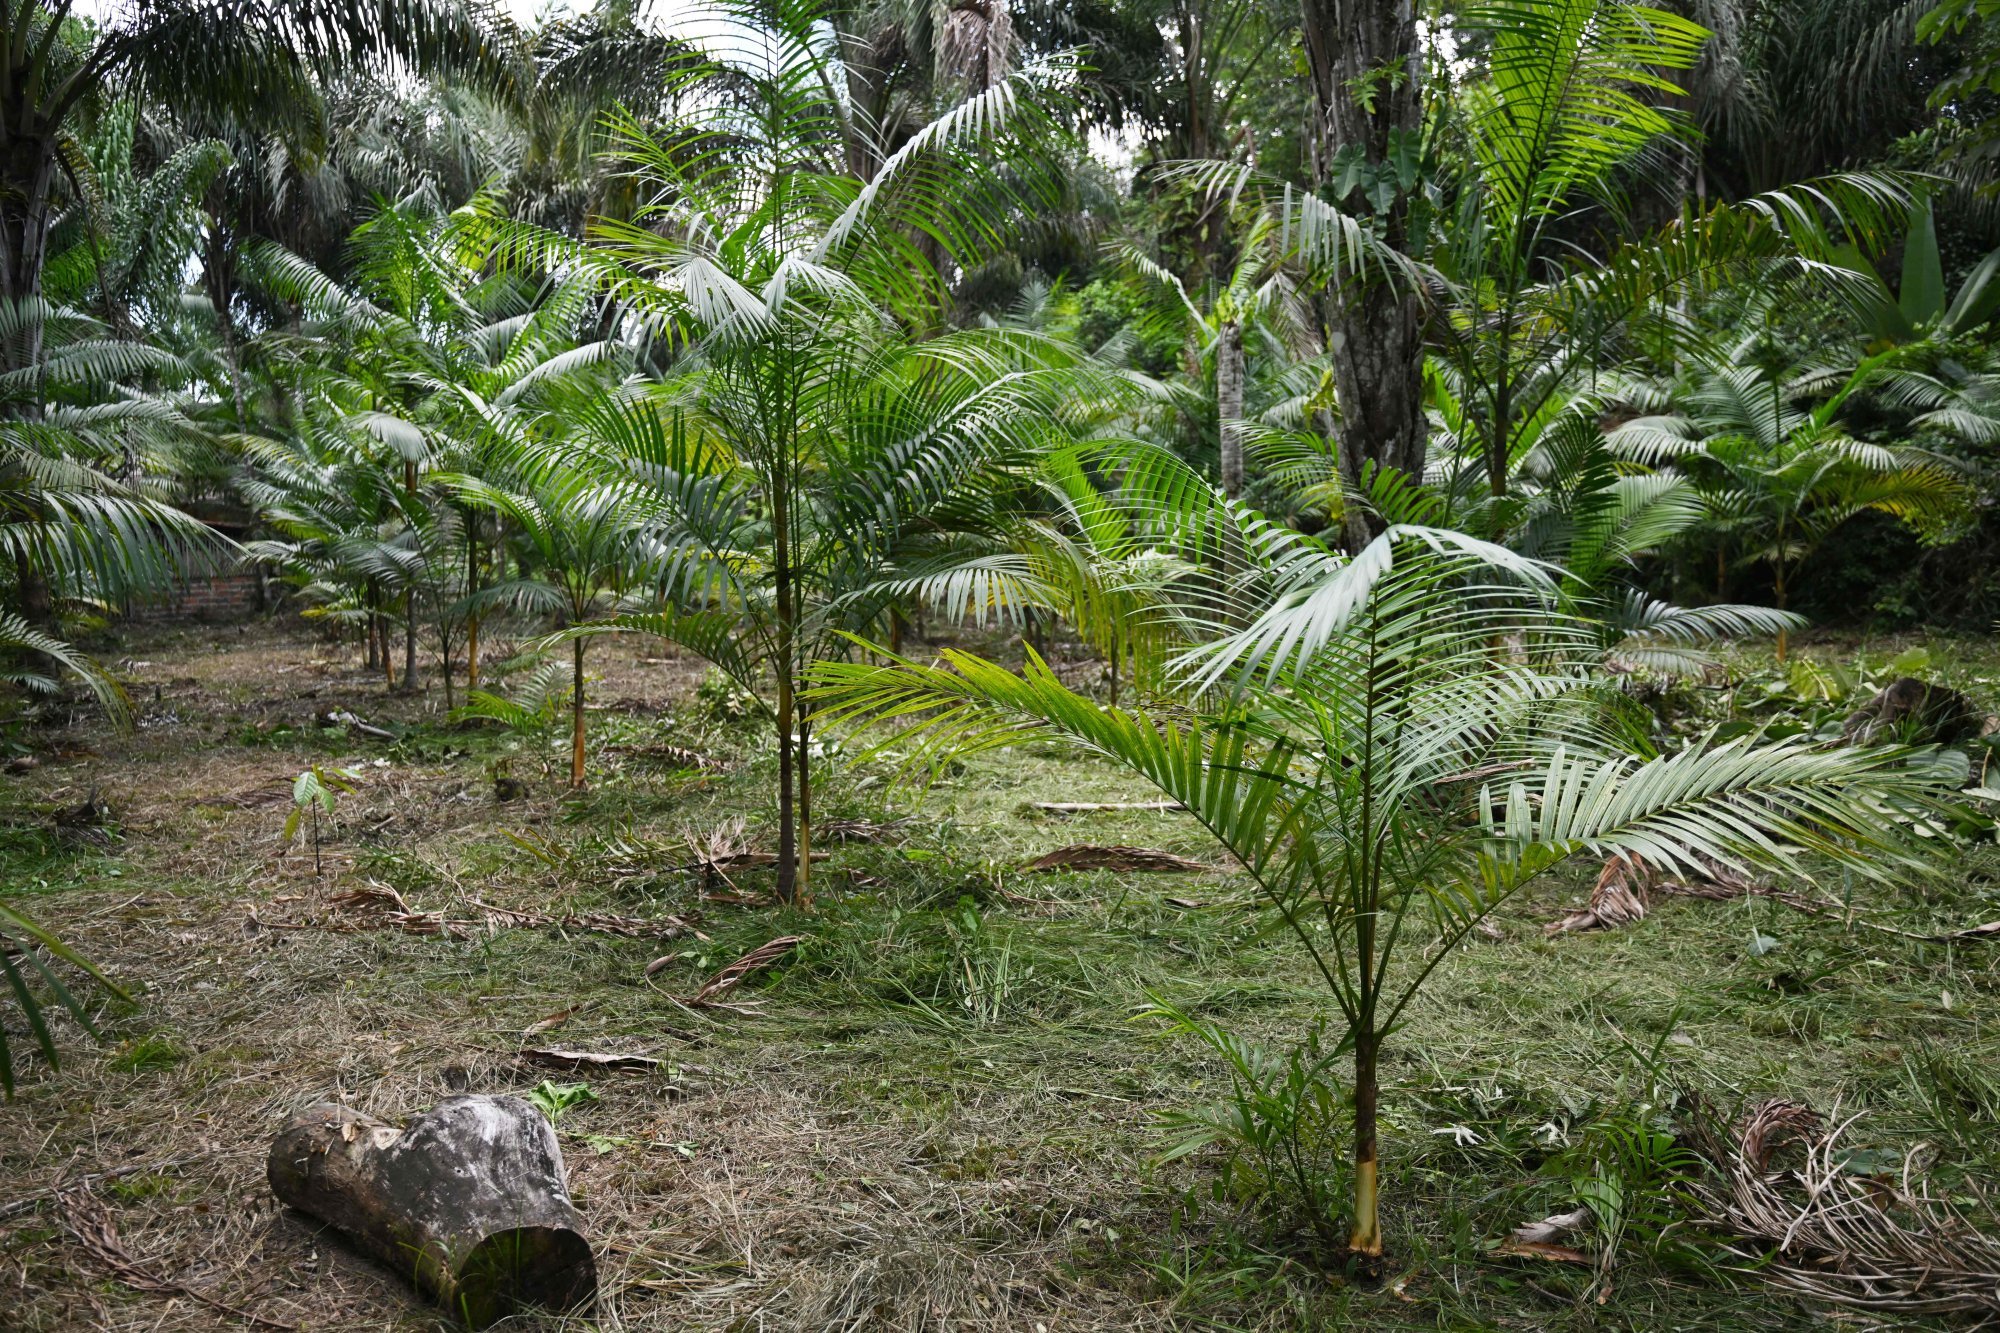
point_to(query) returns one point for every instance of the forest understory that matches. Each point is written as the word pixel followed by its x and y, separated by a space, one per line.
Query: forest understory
pixel 941 1107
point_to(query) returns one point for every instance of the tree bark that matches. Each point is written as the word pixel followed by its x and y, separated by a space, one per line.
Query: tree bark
pixel 468 1200
pixel 410 640
pixel 1229 404
pixel 1365 64
pixel 30 164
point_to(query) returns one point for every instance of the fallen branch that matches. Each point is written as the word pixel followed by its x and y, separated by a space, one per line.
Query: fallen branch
pixel 1087 807
pixel 91 1224
pixel 555 1057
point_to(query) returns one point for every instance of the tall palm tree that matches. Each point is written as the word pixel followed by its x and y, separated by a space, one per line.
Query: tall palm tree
pixel 1257 300
pixel 1369 759
pixel 253 57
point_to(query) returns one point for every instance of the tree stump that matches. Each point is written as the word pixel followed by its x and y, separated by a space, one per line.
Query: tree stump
pixel 1933 713
pixel 468 1200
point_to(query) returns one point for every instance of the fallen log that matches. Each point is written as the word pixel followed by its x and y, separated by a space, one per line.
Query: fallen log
pixel 468 1199
pixel 1088 807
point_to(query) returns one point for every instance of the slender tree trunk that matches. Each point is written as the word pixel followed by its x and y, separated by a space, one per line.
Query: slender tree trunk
pixel 410 639
pixel 576 714
pixel 805 805
pixel 1366 1237
pixel 410 597
pixel 472 617
pixel 1500 432
pixel 1229 404
pixel 444 662
pixel 219 276
pixel 781 550
pixel 1778 595
pixel 1365 66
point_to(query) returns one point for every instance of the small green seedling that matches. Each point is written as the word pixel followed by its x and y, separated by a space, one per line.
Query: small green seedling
pixel 553 1098
pixel 313 797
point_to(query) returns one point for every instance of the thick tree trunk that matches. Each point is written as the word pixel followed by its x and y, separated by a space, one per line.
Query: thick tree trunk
pixel 1365 65
pixel 1229 404
pixel 30 165
pixel 469 1200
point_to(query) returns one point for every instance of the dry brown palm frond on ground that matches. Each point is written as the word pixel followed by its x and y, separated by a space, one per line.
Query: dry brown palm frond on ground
pixel 1628 885
pixel 91 1225
pixel 1885 1246
pixel 1091 856
pixel 730 977
pixel 382 908
pixel 862 830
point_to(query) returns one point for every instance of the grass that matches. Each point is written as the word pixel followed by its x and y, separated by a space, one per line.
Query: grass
pixel 940 1110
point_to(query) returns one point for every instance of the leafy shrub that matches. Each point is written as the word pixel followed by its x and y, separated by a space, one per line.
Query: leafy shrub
pixel 1281 1128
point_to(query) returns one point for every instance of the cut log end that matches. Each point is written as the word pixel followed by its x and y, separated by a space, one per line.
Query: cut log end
pixel 550 1267
pixel 468 1200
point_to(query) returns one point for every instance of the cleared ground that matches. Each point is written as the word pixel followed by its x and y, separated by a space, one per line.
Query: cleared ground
pixel 939 1112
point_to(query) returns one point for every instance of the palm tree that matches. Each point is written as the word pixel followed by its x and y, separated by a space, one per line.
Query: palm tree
pixel 88 459
pixel 1258 301
pixel 1369 759
pixel 780 294
pixel 1779 473
pixel 583 536
pixel 243 56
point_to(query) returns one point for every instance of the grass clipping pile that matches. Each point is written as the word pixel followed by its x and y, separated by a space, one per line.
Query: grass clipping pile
pixel 1885 1247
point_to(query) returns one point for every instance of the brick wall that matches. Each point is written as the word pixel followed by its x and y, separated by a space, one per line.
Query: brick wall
pixel 234 595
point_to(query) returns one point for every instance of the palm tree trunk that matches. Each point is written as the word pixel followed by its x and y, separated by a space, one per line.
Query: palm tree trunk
pixel 1778 596
pixel 805 806
pixel 410 639
pixel 576 714
pixel 1366 1237
pixel 1229 404
pixel 38 606
pixel 781 553
pixel 29 163
pixel 472 618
